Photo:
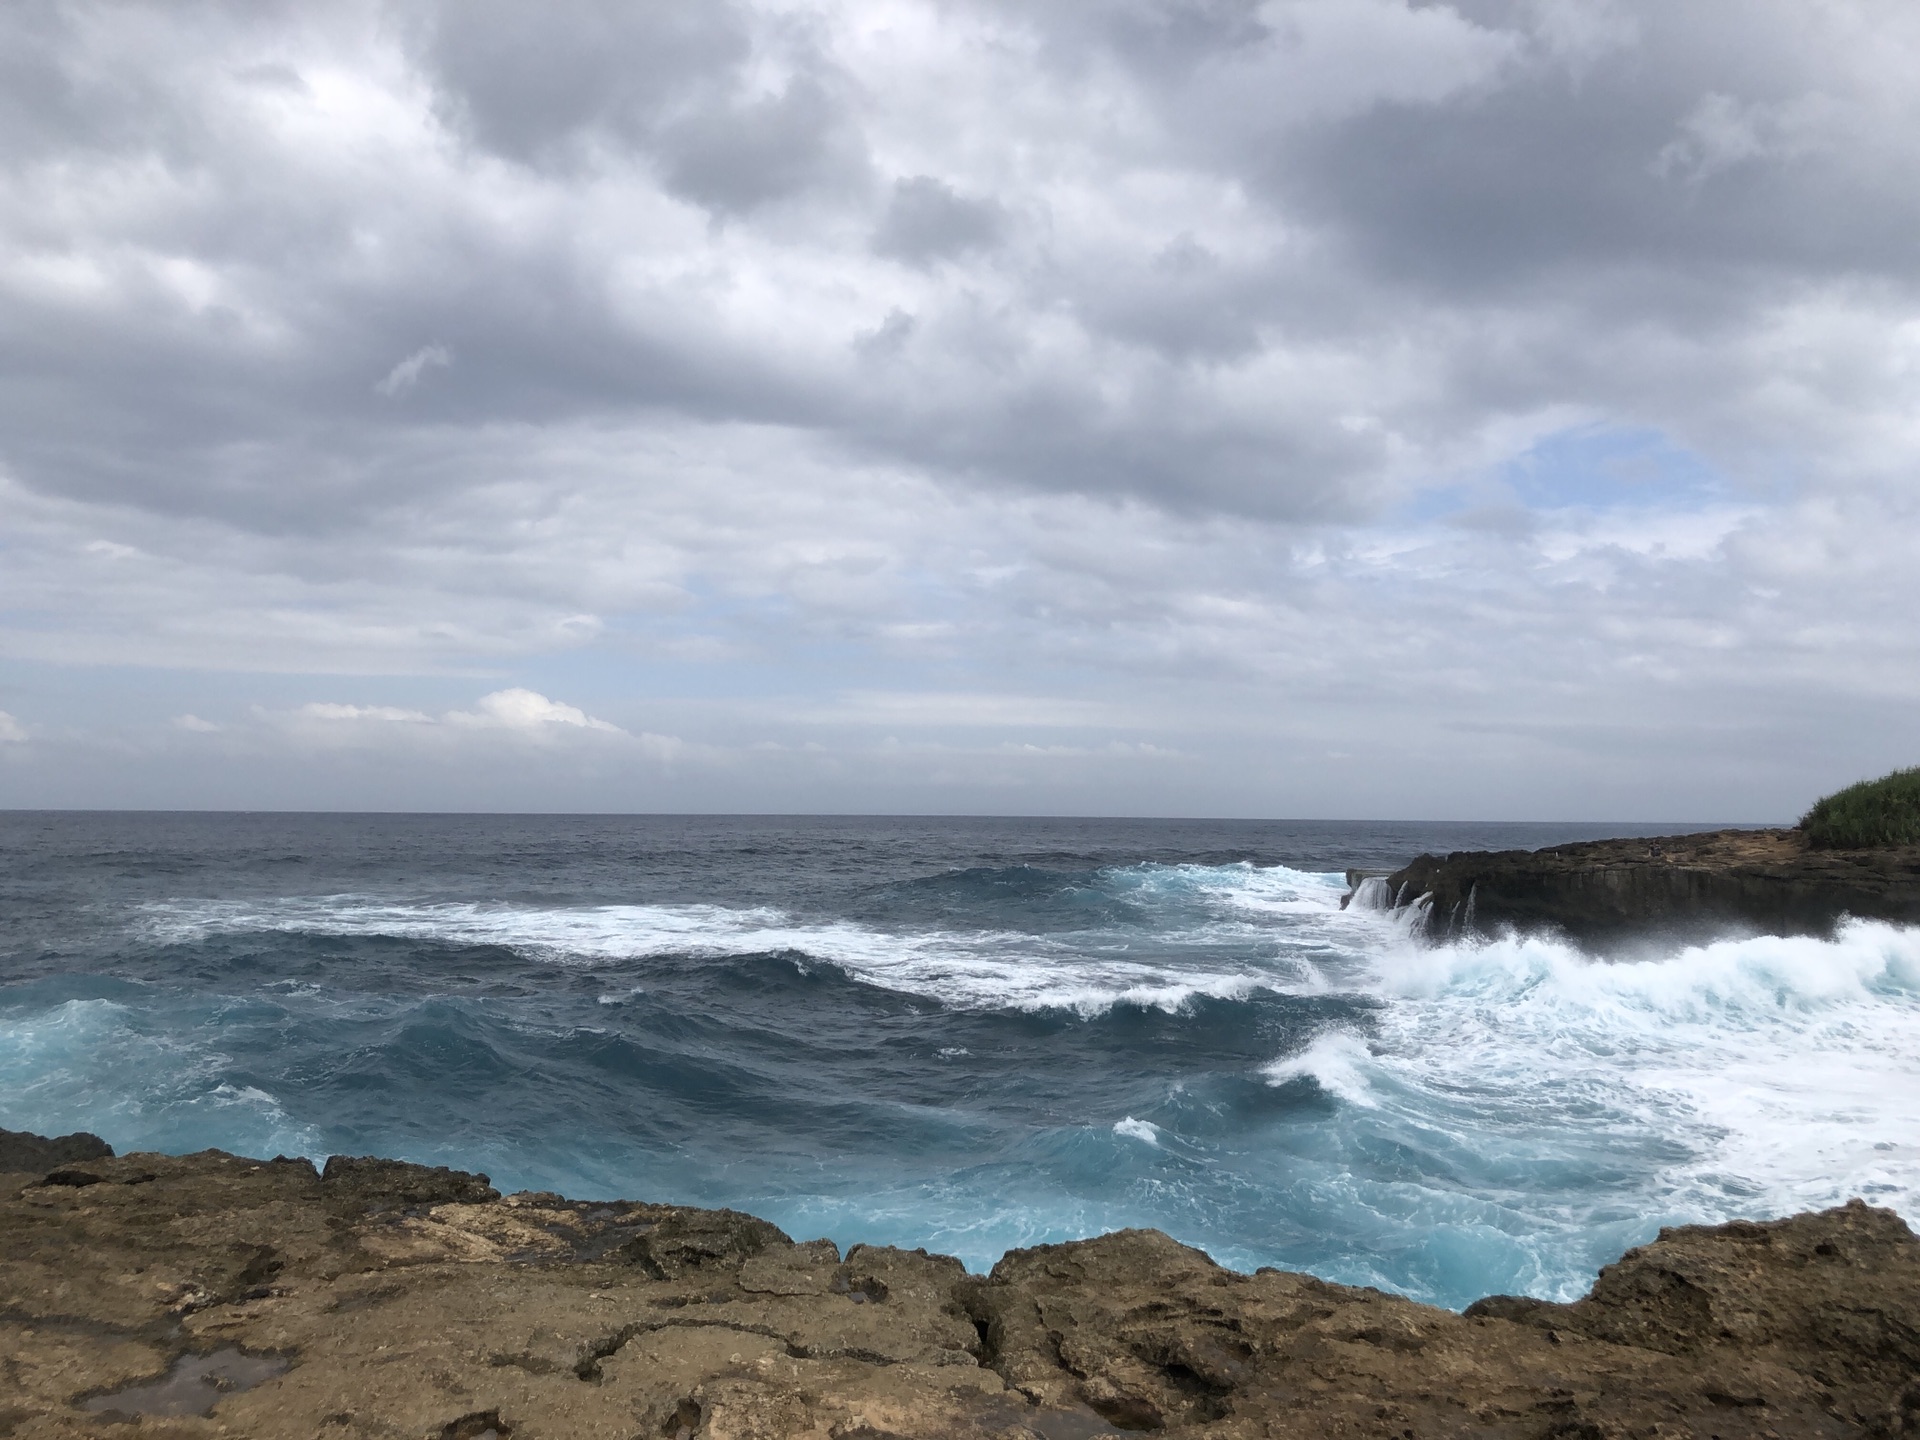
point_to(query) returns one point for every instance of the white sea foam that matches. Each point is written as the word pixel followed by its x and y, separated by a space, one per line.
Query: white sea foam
pixel 579 933
pixel 1144 1130
pixel 1256 890
pixel 1372 893
pixel 1511 1109
pixel 1337 1061
pixel 1753 1076
pixel 992 969
pixel 86 1064
pixel 1785 1072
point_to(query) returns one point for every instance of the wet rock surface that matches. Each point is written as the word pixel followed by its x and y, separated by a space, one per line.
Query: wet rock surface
pixel 1607 893
pixel 193 1386
pixel 209 1294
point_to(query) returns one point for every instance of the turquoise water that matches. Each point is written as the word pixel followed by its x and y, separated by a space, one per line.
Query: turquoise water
pixel 963 1034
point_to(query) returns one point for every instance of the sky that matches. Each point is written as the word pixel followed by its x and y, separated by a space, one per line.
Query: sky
pixel 1308 408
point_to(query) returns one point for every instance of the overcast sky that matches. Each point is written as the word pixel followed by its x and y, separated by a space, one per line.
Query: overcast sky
pixel 1500 409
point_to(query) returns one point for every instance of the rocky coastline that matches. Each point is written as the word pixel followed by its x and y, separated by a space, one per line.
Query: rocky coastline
pixel 211 1294
pixel 1604 894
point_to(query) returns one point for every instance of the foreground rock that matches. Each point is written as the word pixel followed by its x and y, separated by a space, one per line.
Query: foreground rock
pixel 1689 887
pixel 210 1295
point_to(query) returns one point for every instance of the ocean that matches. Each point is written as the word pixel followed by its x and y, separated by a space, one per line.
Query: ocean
pixel 963 1034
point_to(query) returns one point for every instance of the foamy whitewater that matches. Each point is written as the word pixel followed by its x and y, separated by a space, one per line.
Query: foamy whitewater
pixel 968 1035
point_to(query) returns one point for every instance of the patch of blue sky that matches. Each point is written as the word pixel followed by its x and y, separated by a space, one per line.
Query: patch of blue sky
pixel 1600 467
pixel 1596 468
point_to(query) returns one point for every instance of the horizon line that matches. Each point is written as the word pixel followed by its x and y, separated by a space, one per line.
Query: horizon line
pixel 872 815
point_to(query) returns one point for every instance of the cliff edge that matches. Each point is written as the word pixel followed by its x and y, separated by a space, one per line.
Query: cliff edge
pixel 1687 887
pixel 203 1295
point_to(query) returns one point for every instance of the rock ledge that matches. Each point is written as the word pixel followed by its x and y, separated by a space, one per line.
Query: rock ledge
pixel 208 1294
pixel 1689 887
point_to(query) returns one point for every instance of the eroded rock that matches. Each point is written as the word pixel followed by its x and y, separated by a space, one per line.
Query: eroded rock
pixel 685 1241
pixel 370 1181
pixel 21 1152
pixel 388 1302
pixel 1607 894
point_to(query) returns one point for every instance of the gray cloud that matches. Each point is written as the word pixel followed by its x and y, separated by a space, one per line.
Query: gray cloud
pixel 926 219
pixel 1244 354
pixel 667 82
pixel 526 82
pixel 737 157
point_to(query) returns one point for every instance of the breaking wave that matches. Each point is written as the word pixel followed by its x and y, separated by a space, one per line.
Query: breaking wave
pixel 1787 1068
pixel 991 1050
pixel 1085 971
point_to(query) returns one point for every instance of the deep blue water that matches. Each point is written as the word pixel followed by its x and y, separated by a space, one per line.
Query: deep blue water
pixel 959 1033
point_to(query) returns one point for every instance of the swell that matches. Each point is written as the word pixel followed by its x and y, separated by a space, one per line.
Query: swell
pixel 1740 1077
pixel 1008 1054
pixel 1040 939
pixel 374 1039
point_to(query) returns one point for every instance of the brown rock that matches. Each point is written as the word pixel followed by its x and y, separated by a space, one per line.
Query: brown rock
pixel 251 1298
pixel 21 1152
pixel 1691 887
pixel 368 1181
pixel 688 1240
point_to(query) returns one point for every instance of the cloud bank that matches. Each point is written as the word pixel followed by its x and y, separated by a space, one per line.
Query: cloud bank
pixel 1505 407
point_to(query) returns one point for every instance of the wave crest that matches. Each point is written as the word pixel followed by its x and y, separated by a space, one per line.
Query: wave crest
pixel 1203 918
pixel 1782 1072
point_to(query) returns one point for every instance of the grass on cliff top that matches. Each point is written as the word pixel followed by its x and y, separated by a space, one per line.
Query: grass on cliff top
pixel 1869 815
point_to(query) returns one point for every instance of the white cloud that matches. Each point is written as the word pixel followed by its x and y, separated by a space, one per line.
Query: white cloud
pixel 526 711
pixel 1581 32
pixel 949 710
pixel 12 732
pixel 1013 377
pixel 517 717
pixel 405 375
pixel 382 714
pixel 193 724
pixel 1721 132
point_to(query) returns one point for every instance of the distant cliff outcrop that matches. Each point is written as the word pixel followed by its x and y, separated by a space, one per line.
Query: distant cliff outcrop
pixel 1692 887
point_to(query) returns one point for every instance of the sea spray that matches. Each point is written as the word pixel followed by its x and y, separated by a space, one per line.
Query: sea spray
pixel 964 1035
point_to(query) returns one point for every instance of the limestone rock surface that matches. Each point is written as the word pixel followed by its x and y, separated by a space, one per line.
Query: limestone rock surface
pixel 1608 893
pixel 20 1150
pixel 211 1295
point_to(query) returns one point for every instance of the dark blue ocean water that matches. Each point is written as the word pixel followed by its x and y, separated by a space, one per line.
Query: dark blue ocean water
pixel 959 1033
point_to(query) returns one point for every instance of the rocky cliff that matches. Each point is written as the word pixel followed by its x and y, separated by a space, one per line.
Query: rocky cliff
pixel 1689 887
pixel 204 1295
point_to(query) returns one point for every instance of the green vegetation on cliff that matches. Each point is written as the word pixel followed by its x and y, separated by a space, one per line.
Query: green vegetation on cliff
pixel 1868 815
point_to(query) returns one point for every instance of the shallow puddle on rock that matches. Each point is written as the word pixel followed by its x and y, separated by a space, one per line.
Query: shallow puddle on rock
pixel 1047 1422
pixel 194 1385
